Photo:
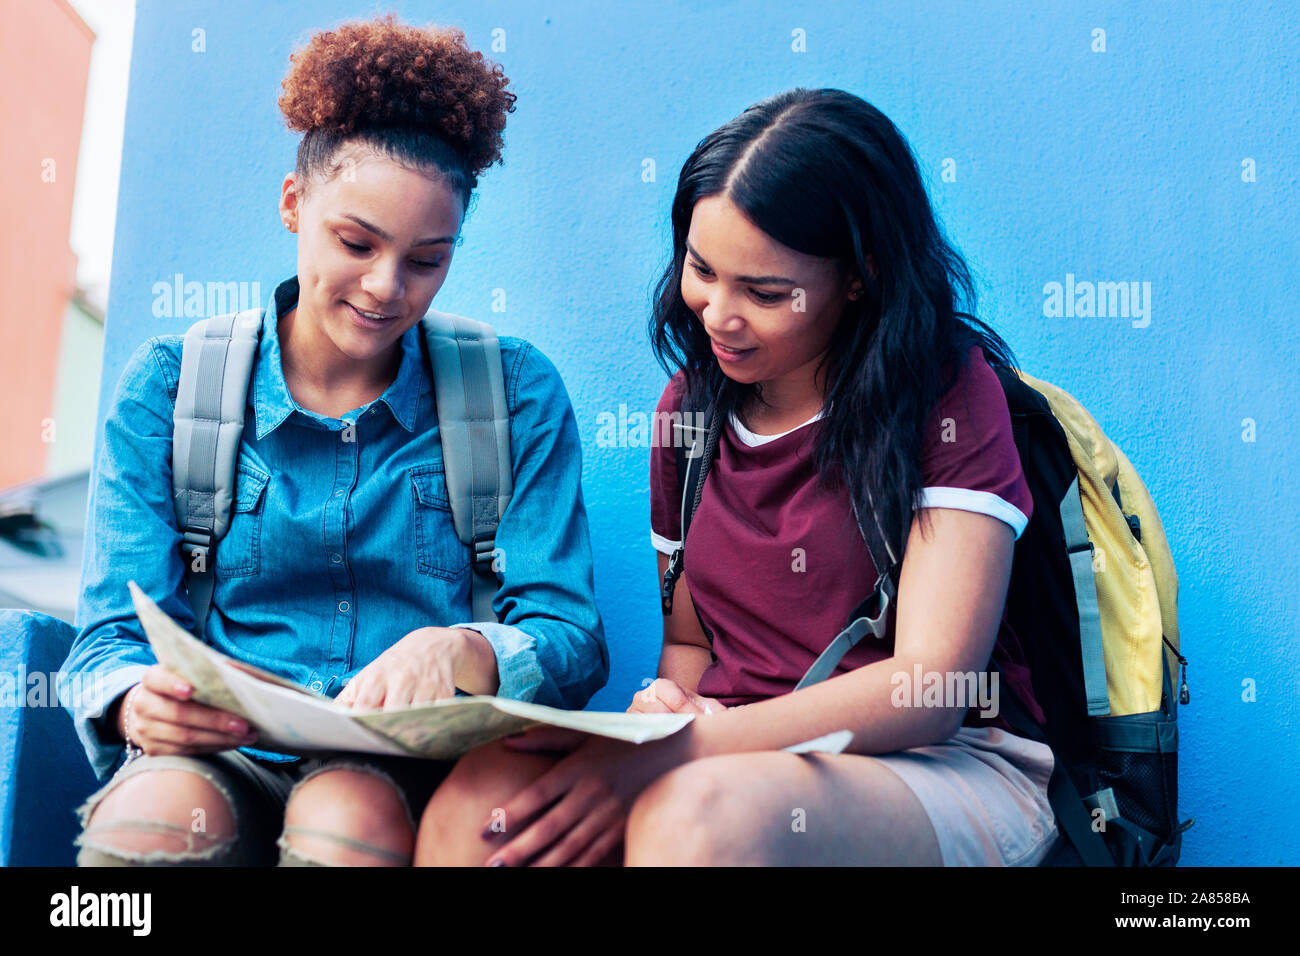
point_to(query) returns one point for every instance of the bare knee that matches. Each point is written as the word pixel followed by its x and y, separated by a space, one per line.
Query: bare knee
pixel 160 815
pixel 693 815
pixel 347 817
pixel 753 809
pixel 472 798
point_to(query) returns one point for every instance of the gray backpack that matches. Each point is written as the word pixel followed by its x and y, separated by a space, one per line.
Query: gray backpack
pixel 473 421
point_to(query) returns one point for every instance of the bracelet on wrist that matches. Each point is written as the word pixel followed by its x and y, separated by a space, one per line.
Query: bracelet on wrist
pixel 132 748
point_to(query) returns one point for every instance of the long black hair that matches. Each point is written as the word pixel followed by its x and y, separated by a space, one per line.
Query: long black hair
pixel 825 173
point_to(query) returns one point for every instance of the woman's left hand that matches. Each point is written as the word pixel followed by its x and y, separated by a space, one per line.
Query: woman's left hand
pixel 418 669
pixel 592 791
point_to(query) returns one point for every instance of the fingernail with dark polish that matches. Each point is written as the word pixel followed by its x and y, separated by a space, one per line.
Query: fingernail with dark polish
pixel 497 862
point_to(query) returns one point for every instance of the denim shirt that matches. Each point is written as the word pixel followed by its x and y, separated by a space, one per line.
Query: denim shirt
pixel 340 541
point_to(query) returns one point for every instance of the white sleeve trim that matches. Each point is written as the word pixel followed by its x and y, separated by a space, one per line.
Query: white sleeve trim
pixel 663 545
pixel 983 502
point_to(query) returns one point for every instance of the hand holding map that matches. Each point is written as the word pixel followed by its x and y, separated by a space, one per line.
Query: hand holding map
pixel 293 719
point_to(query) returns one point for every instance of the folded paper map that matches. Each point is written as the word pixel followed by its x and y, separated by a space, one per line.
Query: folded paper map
pixel 292 719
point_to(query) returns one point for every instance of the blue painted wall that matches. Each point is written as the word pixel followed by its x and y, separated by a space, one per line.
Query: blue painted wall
pixel 1122 165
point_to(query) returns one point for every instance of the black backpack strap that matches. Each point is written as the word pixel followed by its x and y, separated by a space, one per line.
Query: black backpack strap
pixel 1072 813
pixel 696 448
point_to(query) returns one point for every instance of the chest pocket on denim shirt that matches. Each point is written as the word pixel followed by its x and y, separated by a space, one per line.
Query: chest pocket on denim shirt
pixel 439 553
pixel 240 551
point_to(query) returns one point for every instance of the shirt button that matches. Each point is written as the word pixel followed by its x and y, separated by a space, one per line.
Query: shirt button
pixel 336 558
pixel 343 606
pixel 338 494
pixel 316 685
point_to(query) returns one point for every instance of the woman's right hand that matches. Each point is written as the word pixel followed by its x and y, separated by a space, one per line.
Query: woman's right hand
pixel 664 696
pixel 163 720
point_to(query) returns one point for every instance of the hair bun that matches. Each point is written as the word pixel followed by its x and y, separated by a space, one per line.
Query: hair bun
pixel 381 73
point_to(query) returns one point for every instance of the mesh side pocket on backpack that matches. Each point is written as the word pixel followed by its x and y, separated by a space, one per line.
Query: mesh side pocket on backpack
pixel 1145 785
pixel 1137 757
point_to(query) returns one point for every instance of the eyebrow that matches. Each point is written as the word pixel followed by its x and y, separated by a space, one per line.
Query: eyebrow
pixel 370 227
pixel 752 280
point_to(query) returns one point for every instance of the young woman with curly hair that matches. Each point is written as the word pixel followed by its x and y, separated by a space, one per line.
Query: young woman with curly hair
pixel 341 569
pixel 812 298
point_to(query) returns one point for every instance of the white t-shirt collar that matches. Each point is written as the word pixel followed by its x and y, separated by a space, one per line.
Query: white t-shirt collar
pixel 752 440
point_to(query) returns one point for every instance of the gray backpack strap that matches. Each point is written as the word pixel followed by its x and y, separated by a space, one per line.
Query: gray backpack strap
pixel 474 426
pixel 1080 550
pixel 208 424
pixel 870 617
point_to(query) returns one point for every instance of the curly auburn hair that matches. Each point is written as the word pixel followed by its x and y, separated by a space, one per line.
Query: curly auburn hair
pixel 420 95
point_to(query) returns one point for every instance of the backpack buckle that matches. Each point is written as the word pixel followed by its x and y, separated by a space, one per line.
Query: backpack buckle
pixel 485 552
pixel 670 581
pixel 690 437
pixel 878 623
pixel 196 545
pixel 872 615
pixel 1105 800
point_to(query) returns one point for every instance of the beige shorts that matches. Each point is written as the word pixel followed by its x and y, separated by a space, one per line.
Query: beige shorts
pixel 985 791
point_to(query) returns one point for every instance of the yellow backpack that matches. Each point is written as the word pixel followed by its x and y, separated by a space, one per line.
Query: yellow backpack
pixel 1094 601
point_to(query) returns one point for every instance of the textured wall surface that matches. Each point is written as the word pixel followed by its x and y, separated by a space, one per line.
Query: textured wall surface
pixel 44 62
pixel 1168 158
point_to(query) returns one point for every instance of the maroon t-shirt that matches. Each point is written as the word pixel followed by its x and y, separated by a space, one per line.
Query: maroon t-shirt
pixel 776 564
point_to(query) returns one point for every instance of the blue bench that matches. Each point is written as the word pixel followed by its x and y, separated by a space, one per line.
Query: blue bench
pixel 44 773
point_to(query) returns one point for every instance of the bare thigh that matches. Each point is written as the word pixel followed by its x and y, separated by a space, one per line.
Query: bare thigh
pixel 777 808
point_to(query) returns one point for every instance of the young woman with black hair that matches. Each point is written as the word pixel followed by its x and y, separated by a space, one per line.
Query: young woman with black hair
pixel 813 298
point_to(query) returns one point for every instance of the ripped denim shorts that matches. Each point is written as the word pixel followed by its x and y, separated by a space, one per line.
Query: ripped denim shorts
pixel 257 793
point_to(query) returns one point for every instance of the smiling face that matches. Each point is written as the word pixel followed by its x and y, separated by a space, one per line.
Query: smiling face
pixel 770 311
pixel 374 245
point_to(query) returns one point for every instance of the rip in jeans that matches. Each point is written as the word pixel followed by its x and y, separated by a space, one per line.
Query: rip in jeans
pixel 97 852
pixel 292 856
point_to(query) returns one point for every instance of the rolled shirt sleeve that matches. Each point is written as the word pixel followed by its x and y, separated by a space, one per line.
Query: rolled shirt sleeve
pixel 132 535
pixel 549 641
